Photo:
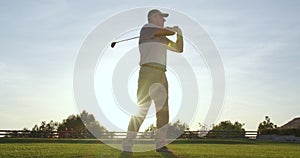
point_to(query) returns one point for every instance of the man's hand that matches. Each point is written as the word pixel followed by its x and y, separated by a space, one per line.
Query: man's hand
pixel 175 29
pixel 178 45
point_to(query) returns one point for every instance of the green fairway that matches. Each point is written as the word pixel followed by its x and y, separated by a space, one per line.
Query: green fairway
pixel 201 148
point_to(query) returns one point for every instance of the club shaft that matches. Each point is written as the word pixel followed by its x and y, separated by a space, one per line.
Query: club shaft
pixel 127 39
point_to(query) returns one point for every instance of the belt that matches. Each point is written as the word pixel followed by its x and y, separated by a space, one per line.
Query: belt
pixel 156 66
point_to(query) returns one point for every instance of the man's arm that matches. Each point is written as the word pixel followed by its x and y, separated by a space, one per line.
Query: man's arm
pixel 178 45
pixel 164 32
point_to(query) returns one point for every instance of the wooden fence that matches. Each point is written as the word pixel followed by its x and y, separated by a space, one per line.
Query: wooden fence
pixel 143 135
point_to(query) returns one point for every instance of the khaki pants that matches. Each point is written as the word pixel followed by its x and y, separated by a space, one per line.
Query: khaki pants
pixel 152 85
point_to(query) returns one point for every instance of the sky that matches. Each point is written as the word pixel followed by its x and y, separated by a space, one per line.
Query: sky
pixel 258 42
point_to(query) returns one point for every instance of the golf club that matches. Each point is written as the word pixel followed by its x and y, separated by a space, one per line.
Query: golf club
pixel 114 43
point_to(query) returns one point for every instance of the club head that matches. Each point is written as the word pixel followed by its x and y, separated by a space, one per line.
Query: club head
pixel 113 44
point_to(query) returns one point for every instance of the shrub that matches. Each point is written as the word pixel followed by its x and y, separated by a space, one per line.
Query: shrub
pixel 226 129
pixel 269 131
pixel 281 131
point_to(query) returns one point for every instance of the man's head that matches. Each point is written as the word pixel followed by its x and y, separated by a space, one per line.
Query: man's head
pixel 157 17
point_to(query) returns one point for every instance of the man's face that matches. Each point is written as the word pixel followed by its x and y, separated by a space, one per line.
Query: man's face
pixel 159 20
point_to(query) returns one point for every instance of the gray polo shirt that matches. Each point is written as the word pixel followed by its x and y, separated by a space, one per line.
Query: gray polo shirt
pixel 153 49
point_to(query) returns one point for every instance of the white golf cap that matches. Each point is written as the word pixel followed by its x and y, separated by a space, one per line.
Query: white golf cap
pixel 155 12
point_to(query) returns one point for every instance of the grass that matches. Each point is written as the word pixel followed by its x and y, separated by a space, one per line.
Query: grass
pixel 185 149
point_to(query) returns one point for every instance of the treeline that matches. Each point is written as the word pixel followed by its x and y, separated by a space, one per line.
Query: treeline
pixel 80 126
pixel 75 126
pixel 225 129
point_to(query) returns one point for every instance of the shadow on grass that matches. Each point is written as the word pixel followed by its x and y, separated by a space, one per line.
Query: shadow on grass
pixel 164 155
pixel 126 155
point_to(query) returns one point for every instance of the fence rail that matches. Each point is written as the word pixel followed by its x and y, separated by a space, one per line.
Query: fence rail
pixel 148 135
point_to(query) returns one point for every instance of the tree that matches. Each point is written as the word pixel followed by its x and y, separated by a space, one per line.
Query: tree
pixel 81 126
pixel 45 130
pixel 226 129
pixel 203 129
pixel 93 127
pixel 266 124
pixel 174 130
pixel 149 132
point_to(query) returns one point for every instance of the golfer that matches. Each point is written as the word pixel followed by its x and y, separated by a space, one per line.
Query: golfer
pixel 152 81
